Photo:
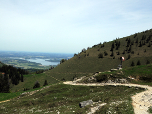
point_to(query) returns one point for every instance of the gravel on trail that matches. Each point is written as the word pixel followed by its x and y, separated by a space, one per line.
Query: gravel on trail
pixel 140 101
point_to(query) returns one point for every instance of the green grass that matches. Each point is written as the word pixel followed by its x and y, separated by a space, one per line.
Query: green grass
pixel 29 81
pixel 141 73
pixel 7 96
pixel 87 62
pixel 66 98
pixel 150 110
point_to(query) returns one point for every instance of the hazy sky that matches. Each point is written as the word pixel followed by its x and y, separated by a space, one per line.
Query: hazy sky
pixel 68 26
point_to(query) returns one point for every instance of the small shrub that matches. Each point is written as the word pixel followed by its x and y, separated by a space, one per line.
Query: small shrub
pixel 148 62
pixel 102 77
pixel 145 78
pixel 112 54
pixel 75 54
pixel 118 53
pixel 138 62
pixel 123 52
pixel 132 64
pixel 132 52
pixel 149 45
pixel 63 79
pixel 63 60
pixel 128 57
pixel 45 83
pixel 150 109
pixel 140 44
pixel 135 35
pixel 36 85
pixel 105 53
pixel 145 50
pixel 100 55
pixel 84 50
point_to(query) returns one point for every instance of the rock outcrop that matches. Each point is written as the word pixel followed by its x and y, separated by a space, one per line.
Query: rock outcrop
pixel 85 103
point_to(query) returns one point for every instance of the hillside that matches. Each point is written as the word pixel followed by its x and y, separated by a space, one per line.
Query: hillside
pixel 58 97
pixel 134 48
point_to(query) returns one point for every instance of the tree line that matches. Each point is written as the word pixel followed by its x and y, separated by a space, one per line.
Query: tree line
pixel 10 75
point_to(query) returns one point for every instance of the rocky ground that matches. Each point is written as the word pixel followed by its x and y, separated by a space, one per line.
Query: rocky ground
pixel 140 101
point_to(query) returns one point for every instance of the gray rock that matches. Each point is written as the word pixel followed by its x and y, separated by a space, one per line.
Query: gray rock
pixel 109 81
pixel 85 103
pixel 121 81
pixel 114 70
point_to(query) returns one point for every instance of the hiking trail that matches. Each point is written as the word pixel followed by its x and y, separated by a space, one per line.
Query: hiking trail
pixel 140 101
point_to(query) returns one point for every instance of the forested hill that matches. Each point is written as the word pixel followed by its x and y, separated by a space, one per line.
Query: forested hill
pixel 9 76
pixel 136 48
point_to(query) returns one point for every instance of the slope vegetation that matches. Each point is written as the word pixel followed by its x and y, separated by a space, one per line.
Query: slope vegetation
pixel 135 48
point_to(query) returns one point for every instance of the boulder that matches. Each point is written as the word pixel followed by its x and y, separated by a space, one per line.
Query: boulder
pixel 85 103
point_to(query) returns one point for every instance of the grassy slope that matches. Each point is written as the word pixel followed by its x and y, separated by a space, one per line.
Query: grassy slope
pixel 91 64
pixel 87 65
pixel 65 99
pixel 78 67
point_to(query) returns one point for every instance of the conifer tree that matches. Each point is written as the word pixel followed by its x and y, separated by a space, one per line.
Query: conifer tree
pixel 132 64
pixel 138 62
pixel 36 85
pixel 105 53
pixel 112 54
pixel 100 55
pixel 149 45
pixel 22 80
pixel 148 62
pixel 45 83
pixel 128 57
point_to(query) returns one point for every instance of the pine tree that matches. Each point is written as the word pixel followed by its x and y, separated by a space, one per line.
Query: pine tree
pixel 148 62
pixel 45 83
pixel 140 44
pixel 138 62
pixel 128 57
pixel 22 80
pixel 36 85
pixel 149 45
pixel 118 53
pixel 112 54
pixel 132 64
pixel 136 40
pixel 113 45
pixel 105 53
pixel 100 55
pixel 111 49
pixel 129 48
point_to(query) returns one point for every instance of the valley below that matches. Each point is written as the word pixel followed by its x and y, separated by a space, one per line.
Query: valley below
pixel 32 60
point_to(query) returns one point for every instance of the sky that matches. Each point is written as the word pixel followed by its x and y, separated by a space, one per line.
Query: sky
pixel 68 26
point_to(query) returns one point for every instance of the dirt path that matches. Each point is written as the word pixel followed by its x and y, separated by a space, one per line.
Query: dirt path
pixel 140 101
pixel 4 101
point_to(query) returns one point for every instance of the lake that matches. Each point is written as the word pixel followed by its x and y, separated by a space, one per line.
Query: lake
pixel 43 61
